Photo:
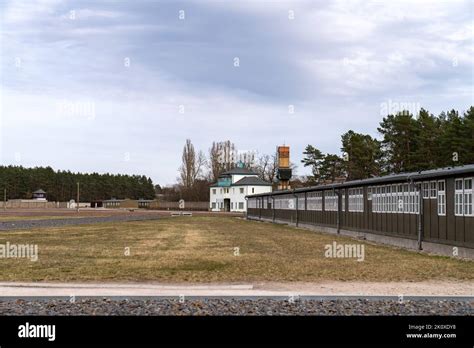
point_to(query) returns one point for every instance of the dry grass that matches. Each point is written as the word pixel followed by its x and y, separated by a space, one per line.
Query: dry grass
pixel 201 249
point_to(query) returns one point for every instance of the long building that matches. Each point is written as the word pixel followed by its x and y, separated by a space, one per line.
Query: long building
pixel 430 210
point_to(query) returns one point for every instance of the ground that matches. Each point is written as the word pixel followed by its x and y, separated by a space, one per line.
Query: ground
pixel 210 249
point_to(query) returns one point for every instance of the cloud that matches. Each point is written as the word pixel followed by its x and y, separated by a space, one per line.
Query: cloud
pixel 335 62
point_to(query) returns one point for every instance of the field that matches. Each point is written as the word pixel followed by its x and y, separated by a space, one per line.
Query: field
pixel 211 249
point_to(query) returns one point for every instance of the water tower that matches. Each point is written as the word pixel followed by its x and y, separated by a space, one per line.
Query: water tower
pixel 284 169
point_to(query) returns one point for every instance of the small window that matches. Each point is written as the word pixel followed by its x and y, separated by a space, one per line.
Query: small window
pixel 426 190
pixel 241 204
pixel 468 211
pixel 241 190
pixel 213 191
pixel 441 198
pixel 458 197
pixel 433 189
pixel 253 189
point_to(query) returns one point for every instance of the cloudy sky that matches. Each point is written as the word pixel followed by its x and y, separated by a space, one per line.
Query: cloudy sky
pixel 117 86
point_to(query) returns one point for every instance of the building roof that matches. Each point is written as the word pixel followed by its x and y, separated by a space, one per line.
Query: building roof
pixel 246 181
pixel 251 181
pixel 39 191
pixel 400 177
pixel 239 171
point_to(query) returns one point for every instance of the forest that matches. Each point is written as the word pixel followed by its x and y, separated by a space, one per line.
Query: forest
pixel 407 143
pixel 61 186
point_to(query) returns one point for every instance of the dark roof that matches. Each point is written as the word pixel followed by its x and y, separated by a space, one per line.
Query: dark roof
pixel 417 176
pixel 251 180
pixel 241 171
pixel 39 191
pixel 246 181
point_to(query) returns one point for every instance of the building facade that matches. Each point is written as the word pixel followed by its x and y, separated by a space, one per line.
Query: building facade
pixel 419 209
pixel 231 188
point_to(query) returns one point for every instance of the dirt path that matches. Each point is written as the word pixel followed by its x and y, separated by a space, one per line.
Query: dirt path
pixel 431 288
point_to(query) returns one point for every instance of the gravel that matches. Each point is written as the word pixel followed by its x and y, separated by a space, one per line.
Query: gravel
pixel 234 306
pixel 28 224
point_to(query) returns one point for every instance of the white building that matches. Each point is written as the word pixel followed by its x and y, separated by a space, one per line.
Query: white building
pixel 228 193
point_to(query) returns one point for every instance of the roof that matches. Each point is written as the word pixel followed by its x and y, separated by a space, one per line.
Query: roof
pixel 251 181
pixel 239 171
pixel 39 191
pixel 246 181
pixel 400 177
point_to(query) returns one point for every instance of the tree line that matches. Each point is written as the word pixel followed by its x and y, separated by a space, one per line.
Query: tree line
pixel 408 143
pixel 61 186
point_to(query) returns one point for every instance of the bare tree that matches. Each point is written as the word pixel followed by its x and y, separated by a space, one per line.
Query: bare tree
pixel 192 165
pixel 214 164
pixel 267 167
pixel 221 158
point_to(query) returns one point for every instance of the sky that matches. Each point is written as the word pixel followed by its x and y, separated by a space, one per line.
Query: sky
pixel 118 86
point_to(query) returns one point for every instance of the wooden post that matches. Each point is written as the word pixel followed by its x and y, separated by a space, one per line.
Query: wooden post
pixel 5 199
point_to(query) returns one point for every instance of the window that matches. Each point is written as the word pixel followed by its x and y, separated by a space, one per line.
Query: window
pixel 286 202
pixel 356 200
pixel 369 194
pixel 463 197
pixel 433 189
pixel 394 200
pixel 241 190
pixel 468 197
pixel 241 205
pixel 330 201
pixel 314 201
pixel 406 201
pixel 213 191
pixel 213 205
pixel 301 201
pixel 252 203
pixel 441 198
pixel 458 197
pixel 426 190
pixel 253 189
pixel 343 203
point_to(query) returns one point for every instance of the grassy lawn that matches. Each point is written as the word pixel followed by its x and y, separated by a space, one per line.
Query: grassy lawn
pixel 201 249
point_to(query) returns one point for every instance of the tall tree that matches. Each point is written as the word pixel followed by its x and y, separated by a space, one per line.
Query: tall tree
pixel 332 168
pixel 399 141
pixel 314 159
pixel 363 155
pixel 267 167
pixel 427 148
pixel 192 165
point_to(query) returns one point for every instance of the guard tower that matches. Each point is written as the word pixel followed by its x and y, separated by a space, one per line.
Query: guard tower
pixel 284 170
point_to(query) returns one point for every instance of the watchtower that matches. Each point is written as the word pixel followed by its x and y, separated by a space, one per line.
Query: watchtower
pixel 284 172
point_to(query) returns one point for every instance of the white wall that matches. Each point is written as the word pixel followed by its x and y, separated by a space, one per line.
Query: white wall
pixel 235 196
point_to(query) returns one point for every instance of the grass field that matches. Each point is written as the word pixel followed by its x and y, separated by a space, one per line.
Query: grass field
pixel 202 249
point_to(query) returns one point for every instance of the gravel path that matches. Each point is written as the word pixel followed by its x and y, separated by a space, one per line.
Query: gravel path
pixel 229 306
pixel 29 224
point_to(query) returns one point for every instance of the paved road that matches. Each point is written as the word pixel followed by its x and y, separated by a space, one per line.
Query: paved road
pixel 29 224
